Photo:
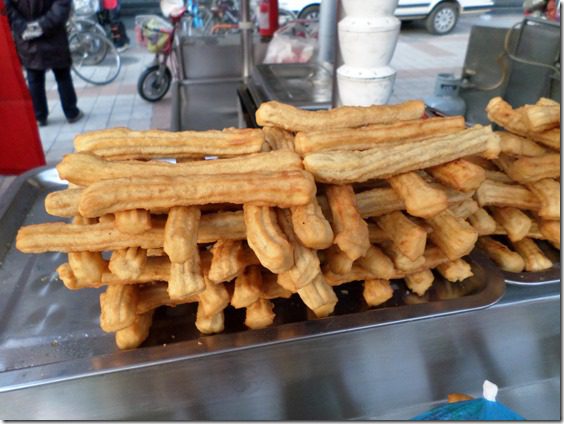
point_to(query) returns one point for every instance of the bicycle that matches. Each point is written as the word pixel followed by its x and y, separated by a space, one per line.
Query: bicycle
pixel 94 57
pixel 157 35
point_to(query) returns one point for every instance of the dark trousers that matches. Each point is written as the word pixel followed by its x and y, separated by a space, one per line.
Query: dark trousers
pixel 36 82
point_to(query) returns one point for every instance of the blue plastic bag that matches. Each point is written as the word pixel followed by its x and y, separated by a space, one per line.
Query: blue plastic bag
pixel 482 409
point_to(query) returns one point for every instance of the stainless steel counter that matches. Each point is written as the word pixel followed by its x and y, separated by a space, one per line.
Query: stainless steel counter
pixel 391 372
pixel 393 362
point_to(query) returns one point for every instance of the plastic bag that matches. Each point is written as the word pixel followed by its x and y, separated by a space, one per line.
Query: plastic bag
pixel 295 42
pixel 483 409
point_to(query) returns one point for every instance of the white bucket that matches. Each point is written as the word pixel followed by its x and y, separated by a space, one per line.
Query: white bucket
pixel 369 8
pixel 368 42
pixel 365 87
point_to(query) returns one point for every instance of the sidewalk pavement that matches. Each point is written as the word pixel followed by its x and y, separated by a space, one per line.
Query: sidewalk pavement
pixel 418 58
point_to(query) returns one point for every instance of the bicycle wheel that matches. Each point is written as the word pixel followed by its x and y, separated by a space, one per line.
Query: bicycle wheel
pixel 94 58
pixel 154 82
pixel 88 25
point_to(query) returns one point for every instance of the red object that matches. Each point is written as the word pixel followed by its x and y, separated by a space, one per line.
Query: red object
pixel 110 4
pixel 20 145
pixel 268 17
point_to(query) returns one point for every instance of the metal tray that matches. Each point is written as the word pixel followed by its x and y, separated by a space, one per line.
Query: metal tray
pixel 549 276
pixel 50 334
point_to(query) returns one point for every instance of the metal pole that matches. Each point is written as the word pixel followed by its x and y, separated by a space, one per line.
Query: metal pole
pixel 327 32
pixel 246 27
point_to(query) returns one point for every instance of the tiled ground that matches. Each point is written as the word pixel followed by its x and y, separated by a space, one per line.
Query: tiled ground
pixel 418 58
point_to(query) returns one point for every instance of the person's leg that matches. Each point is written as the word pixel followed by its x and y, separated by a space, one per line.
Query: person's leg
pixel 119 34
pixel 66 93
pixel 36 82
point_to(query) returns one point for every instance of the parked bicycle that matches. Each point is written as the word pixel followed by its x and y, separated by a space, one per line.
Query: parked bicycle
pixel 94 57
pixel 156 35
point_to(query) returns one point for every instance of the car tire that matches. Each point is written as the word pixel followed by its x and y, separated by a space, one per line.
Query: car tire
pixel 310 12
pixel 442 19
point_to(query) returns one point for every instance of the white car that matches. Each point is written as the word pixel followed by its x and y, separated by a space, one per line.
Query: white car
pixel 440 15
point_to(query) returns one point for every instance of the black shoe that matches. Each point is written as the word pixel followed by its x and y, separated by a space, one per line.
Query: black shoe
pixel 77 118
pixel 42 122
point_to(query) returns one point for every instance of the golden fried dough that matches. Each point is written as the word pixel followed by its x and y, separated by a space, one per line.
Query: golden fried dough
pixel 284 189
pixel 377 291
pixel 344 167
pixel 279 139
pixel 492 193
pixel 408 237
pixel 515 145
pixel 420 198
pixel 460 175
pixel 86 168
pixel 534 258
pixel 291 118
pixel 118 306
pixel 548 191
pixel 351 231
pixel 122 143
pixel 132 336
pixel 367 137
pixel 311 226
pixel 62 237
pixel 513 220
pixel 266 238
pixel 453 235
pixel 260 314
pixel 454 271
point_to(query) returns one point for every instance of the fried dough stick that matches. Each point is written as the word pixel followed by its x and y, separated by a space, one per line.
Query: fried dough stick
pixel 530 169
pixel 135 221
pixel 319 296
pixel 514 221
pixel 483 222
pixel 408 237
pixel 551 231
pixel 128 263
pixel 306 261
pixel 377 291
pixel 293 119
pixel 345 167
pixel 284 189
pixel 492 193
pixel 311 226
pixel 465 209
pixel 502 255
pixel 419 282
pixel 377 263
pixel 367 137
pixel 539 118
pixel 122 143
pixel 383 200
pixel 118 306
pixel 453 235
pixel 548 191
pixel 515 145
pixel 132 336
pixel 86 168
pixel 266 238
pixel 535 260
pixel 460 175
pixel 279 139
pixel 420 198
pixel 63 237
pixel 454 271
pixel 501 112
pixel 260 314
pixel 229 259
pixel 181 246
pixel 351 231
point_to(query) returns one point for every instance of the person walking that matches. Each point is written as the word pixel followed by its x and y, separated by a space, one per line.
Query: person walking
pixel 39 28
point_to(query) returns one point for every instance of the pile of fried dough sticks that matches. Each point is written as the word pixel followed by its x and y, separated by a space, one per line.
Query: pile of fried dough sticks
pixel 312 200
